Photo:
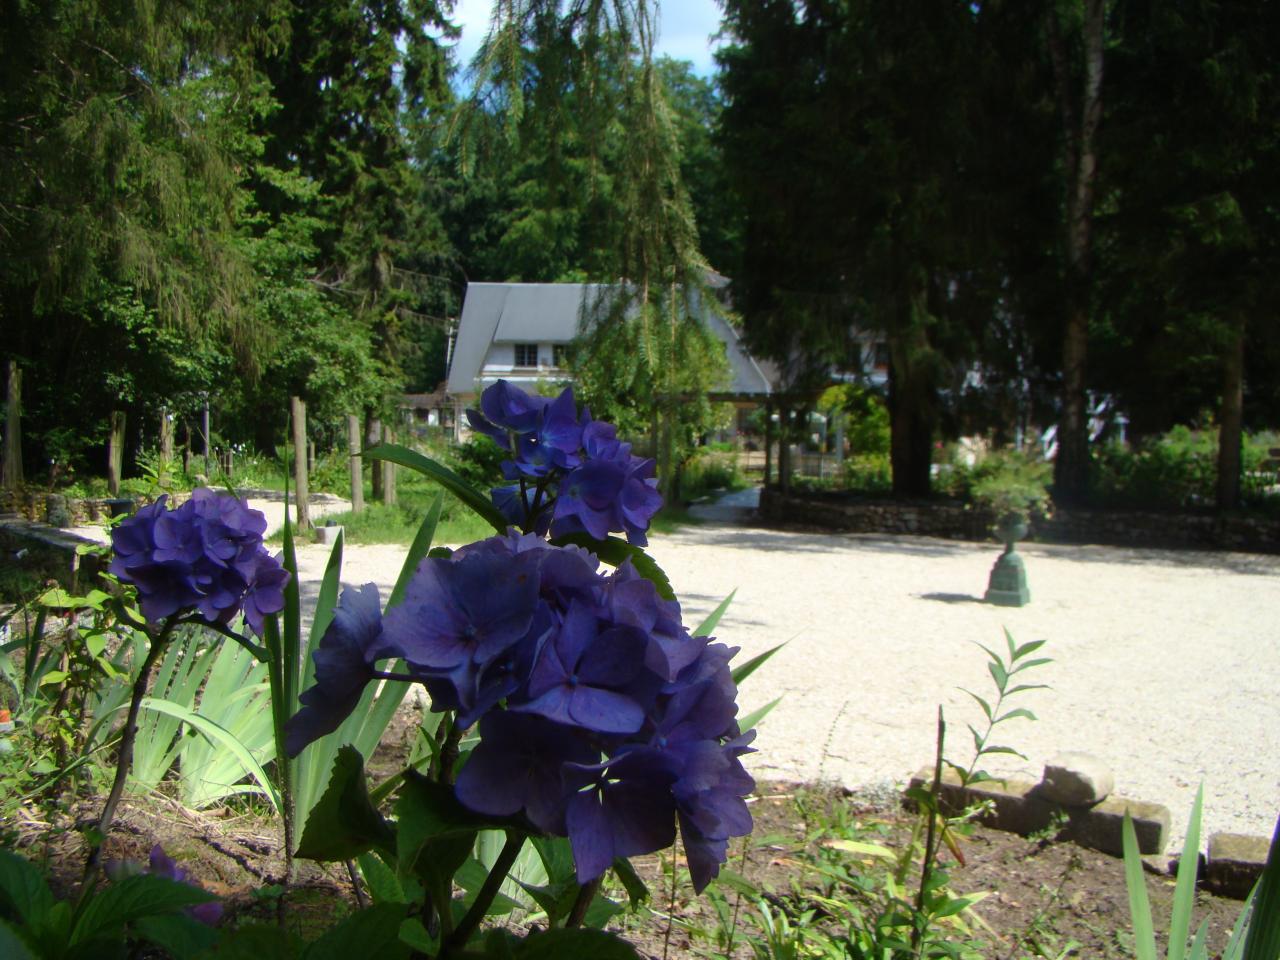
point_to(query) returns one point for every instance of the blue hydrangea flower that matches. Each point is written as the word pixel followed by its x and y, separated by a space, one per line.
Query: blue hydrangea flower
pixel 160 864
pixel 567 473
pixel 344 663
pixel 206 555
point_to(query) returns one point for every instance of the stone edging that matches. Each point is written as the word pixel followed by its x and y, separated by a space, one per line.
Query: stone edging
pixel 958 521
pixel 1234 861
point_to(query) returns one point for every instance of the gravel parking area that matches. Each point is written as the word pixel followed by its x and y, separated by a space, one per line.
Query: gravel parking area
pixel 1166 664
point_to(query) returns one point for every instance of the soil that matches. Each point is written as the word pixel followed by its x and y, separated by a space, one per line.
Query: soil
pixel 1046 899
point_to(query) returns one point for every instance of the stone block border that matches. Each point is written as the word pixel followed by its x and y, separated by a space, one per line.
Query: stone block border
pixel 1234 862
pixel 957 521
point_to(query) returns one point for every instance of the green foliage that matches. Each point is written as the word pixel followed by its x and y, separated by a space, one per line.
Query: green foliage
pixel 1175 471
pixel 1010 484
pixel 707 470
pixel 1255 935
pixel 103 923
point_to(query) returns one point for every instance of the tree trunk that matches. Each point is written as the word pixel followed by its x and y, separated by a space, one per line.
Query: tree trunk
pixel 115 452
pixel 910 406
pixel 1231 423
pixel 13 429
pixel 298 417
pixel 357 471
pixel 388 470
pixel 784 448
pixel 373 437
pixel 1080 166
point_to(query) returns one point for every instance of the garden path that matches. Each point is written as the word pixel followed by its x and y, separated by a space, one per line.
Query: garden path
pixel 1166 664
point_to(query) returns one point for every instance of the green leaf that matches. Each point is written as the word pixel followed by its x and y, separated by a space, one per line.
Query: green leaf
pixel 471 876
pixel 637 892
pixel 23 889
pixel 381 879
pixel 616 552
pixel 1025 686
pixel 986 707
pixel 1027 665
pixel 179 935
pixel 998 673
pixel 1014 714
pixel 414 933
pixel 12 946
pixel 705 628
pixel 344 824
pixel 745 670
pixel 1008 750
pixel 220 736
pixel 54 676
pixel 1264 931
pixel 430 816
pixel 131 899
pixel 373 932
pixel 1029 647
pixel 574 945
pixel 1184 895
pixel 1144 938
pixel 420 548
pixel 752 719
pixel 442 475
pixel 258 941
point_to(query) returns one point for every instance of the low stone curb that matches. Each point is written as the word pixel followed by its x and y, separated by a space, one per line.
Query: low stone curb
pixel 1232 867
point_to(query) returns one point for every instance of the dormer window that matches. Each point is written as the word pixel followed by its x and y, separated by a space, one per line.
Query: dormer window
pixel 526 354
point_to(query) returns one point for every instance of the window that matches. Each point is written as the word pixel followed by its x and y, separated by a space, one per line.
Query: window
pixel 526 354
pixel 560 355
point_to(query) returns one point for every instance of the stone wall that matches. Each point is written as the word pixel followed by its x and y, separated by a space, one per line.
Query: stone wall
pixel 46 553
pixel 957 521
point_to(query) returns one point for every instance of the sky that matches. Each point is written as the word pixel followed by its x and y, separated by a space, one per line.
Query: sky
pixel 685 29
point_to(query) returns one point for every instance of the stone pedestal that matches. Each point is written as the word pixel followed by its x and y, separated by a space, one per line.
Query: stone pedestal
pixel 1008 584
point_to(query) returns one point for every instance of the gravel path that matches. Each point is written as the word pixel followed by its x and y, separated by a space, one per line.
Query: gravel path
pixel 1166 664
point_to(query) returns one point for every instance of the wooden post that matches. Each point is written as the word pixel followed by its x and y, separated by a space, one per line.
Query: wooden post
pixel 115 452
pixel 388 471
pixel 768 443
pixel 186 448
pixel 311 456
pixel 357 473
pixel 13 429
pixel 373 437
pixel 204 426
pixel 166 435
pixel 298 415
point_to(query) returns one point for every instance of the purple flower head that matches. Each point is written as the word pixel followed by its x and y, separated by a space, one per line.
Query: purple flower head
pixel 588 500
pixel 206 555
pixel 343 666
pixel 589 677
pixel 523 764
pixel 162 865
pixel 460 615
pixel 506 409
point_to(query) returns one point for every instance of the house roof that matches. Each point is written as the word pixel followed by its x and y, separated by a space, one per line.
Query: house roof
pixel 550 313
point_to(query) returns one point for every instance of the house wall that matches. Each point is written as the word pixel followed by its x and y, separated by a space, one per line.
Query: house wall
pixel 500 361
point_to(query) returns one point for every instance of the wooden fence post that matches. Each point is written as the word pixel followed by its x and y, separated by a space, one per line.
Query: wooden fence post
pixel 373 437
pixel 166 434
pixel 388 470
pixel 13 429
pixel 115 452
pixel 298 415
pixel 357 471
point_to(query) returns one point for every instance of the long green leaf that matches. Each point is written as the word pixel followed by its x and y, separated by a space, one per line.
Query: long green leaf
pixel 741 673
pixel 1184 895
pixel 326 600
pixel 1144 938
pixel 1264 931
pixel 753 719
pixel 442 475
pixel 219 734
pixel 705 628
pixel 417 550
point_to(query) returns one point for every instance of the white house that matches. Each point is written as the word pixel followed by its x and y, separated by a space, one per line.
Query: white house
pixel 520 331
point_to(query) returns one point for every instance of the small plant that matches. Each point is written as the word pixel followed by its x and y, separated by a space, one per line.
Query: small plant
pixel 1011 486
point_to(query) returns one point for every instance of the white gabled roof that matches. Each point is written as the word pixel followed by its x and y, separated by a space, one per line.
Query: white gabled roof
pixel 550 313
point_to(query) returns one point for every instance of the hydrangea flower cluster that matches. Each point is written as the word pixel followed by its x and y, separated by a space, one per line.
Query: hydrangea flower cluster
pixel 160 864
pixel 205 555
pixel 601 718
pixel 567 472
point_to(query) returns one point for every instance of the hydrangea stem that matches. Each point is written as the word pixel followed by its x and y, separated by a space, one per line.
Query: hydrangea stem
pixel 128 735
pixel 484 898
